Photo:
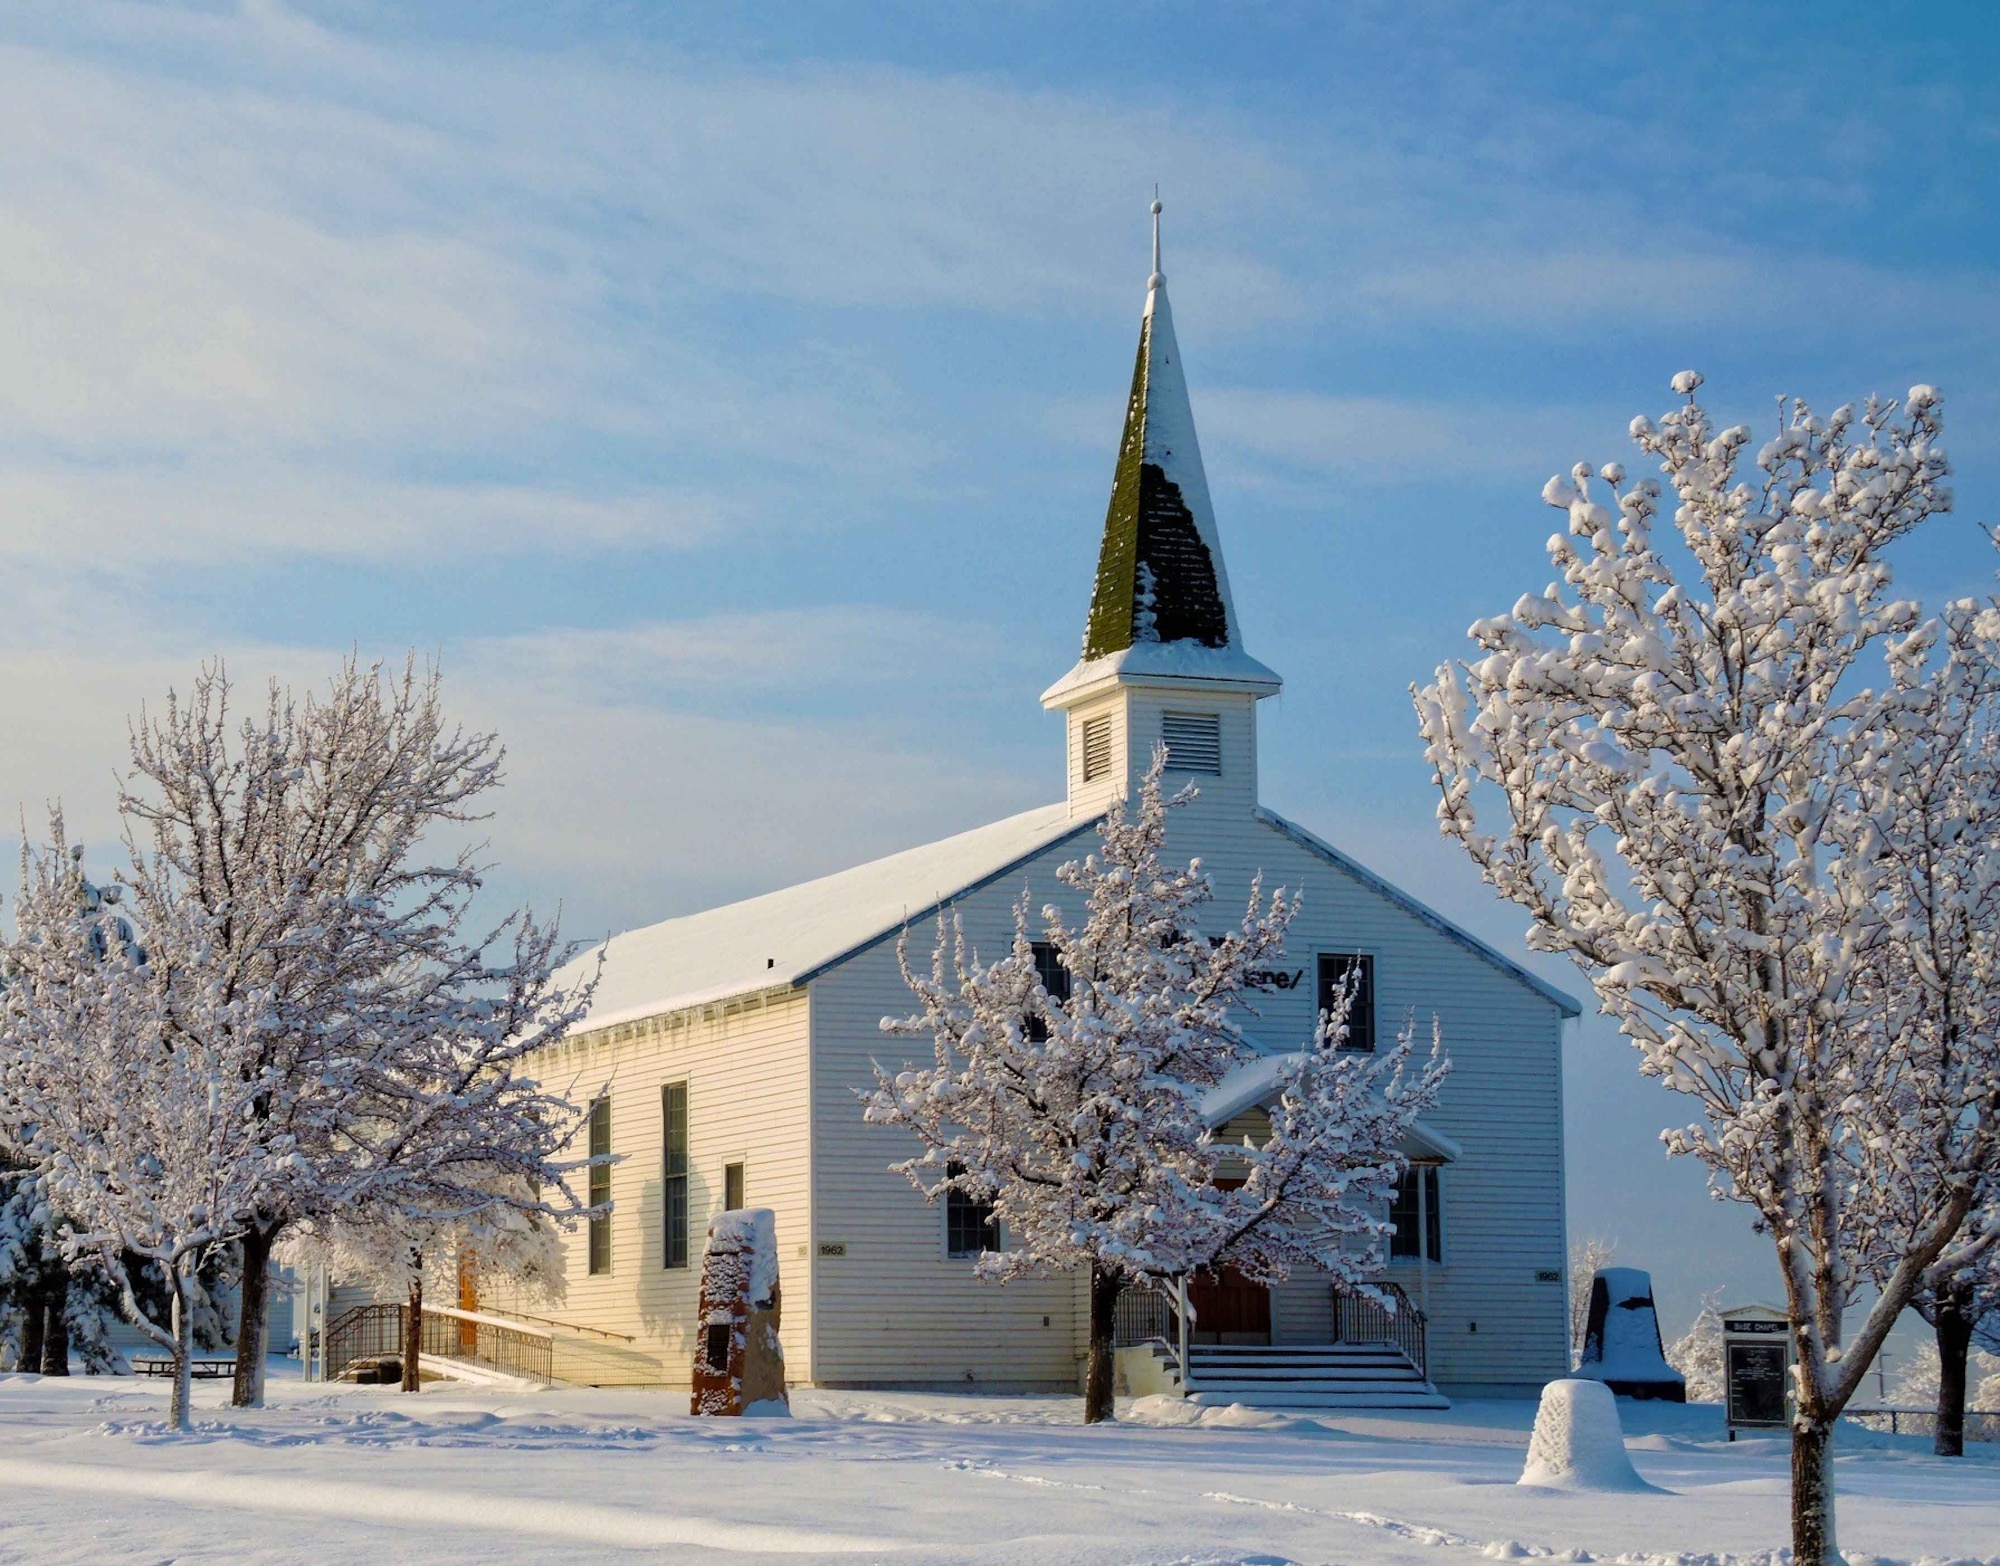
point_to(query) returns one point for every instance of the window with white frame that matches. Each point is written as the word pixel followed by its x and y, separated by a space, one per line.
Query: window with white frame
pixel 1353 971
pixel 1418 1209
pixel 674 1175
pixel 969 1226
pixel 600 1185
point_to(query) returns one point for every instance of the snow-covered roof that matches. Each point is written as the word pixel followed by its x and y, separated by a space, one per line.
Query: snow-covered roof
pixel 788 937
pixel 1256 1082
pixel 1172 663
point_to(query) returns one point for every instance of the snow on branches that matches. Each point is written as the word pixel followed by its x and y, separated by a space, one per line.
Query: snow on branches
pixel 129 1081
pixel 1083 1119
pixel 1691 760
pixel 395 1028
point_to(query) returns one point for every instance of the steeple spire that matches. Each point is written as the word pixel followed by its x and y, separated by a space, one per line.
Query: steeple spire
pixel 1163 663
pixel 1160 576
pixel 1161 600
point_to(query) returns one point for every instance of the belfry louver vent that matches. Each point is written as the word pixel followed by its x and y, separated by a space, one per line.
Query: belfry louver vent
pixel 1096 747
pixel 1194 741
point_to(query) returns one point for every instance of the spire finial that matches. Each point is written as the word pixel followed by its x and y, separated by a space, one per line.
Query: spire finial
pixel 1158 276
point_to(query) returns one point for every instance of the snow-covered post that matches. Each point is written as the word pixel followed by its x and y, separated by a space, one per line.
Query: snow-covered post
pixel 1687 782
pixel 1082 1120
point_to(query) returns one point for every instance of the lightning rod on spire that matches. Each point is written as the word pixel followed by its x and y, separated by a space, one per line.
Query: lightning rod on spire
pixel 1158 276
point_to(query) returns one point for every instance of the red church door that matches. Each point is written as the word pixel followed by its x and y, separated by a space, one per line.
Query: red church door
pixel 1228 1308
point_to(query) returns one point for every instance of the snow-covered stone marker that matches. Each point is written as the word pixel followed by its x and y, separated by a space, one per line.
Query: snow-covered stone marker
pixel 1578 1442
pixel 1621 1344
pixel 739 1364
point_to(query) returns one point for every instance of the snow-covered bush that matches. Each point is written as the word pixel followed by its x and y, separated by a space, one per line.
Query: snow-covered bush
pixel 1586 1256
pixel 1578 1442
pixel 1697 1353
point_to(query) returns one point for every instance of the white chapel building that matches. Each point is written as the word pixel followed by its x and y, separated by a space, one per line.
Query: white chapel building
pixel 723 1052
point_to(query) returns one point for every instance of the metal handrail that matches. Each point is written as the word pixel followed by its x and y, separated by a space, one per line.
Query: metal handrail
pixel 1918 1416
pixel 1164 1316
pixel 1393 1319
pixel 561 1326
pixel 379 1331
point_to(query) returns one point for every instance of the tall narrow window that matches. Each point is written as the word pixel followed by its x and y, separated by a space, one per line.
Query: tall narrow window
pixel 1194 741
pixel 1055 979
pixel 968 1222
pixel 600 1184
pixel 1096 747
pixel 1413 1215
pixel 732 1187
pixel 1336 971
pixel 674 1175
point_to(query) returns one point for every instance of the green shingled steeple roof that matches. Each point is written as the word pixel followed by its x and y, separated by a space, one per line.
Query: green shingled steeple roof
pixel 1160 576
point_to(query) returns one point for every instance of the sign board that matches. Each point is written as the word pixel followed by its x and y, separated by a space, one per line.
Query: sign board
pixel 1756 1369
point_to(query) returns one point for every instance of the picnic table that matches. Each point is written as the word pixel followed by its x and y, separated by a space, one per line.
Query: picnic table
pixel 199 1369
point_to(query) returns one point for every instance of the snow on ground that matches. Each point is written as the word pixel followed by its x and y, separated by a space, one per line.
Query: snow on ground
pixel 368 1474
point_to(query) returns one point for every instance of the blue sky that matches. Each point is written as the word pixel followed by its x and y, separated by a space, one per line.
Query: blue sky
pixel 728 394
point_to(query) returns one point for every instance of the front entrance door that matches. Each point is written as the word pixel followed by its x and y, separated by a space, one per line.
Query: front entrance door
pixel 1228 1308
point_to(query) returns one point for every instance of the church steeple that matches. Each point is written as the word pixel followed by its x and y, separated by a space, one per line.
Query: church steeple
pixel 1160 576
pixel 1161 644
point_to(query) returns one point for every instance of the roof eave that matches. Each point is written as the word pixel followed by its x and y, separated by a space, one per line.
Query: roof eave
pixel 1565 1003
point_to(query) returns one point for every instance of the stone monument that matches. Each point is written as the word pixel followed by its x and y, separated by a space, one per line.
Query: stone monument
pixel 1621 1344
pixel 739 1364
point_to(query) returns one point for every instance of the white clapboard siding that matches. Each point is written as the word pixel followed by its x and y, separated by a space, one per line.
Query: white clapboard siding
pixel 892 1308
pixel 745 1065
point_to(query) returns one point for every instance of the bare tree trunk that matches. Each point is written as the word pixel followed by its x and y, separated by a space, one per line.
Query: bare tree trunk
pixel 1099 1379
pixel 1954 1346
pixel 55 1341
pixel 253 1317
pixel 1812 1496
pixel 414 1338
pixel 33 1339
pixel 183 1326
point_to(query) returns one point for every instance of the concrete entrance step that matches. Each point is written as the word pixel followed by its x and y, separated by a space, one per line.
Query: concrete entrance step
pixel 1309 1376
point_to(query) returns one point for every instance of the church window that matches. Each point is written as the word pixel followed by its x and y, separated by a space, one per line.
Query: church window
pixel 1413 1215
pixel 1055 979
pixel 1194 741
pixel 969 1227
pixel 1096 747
pixel 674 1175
pixel 1334 971
pixel 600 1185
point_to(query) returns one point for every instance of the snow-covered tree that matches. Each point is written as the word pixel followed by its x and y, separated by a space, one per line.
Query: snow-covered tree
pixel 128 1080
pixel 1081 1119
pixel 1934 984
pixel 1922 1377
pixel 1697 1353
pixel 50 1310
pixel 1686 764
pixel 1586 1256
pixel 391 1046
